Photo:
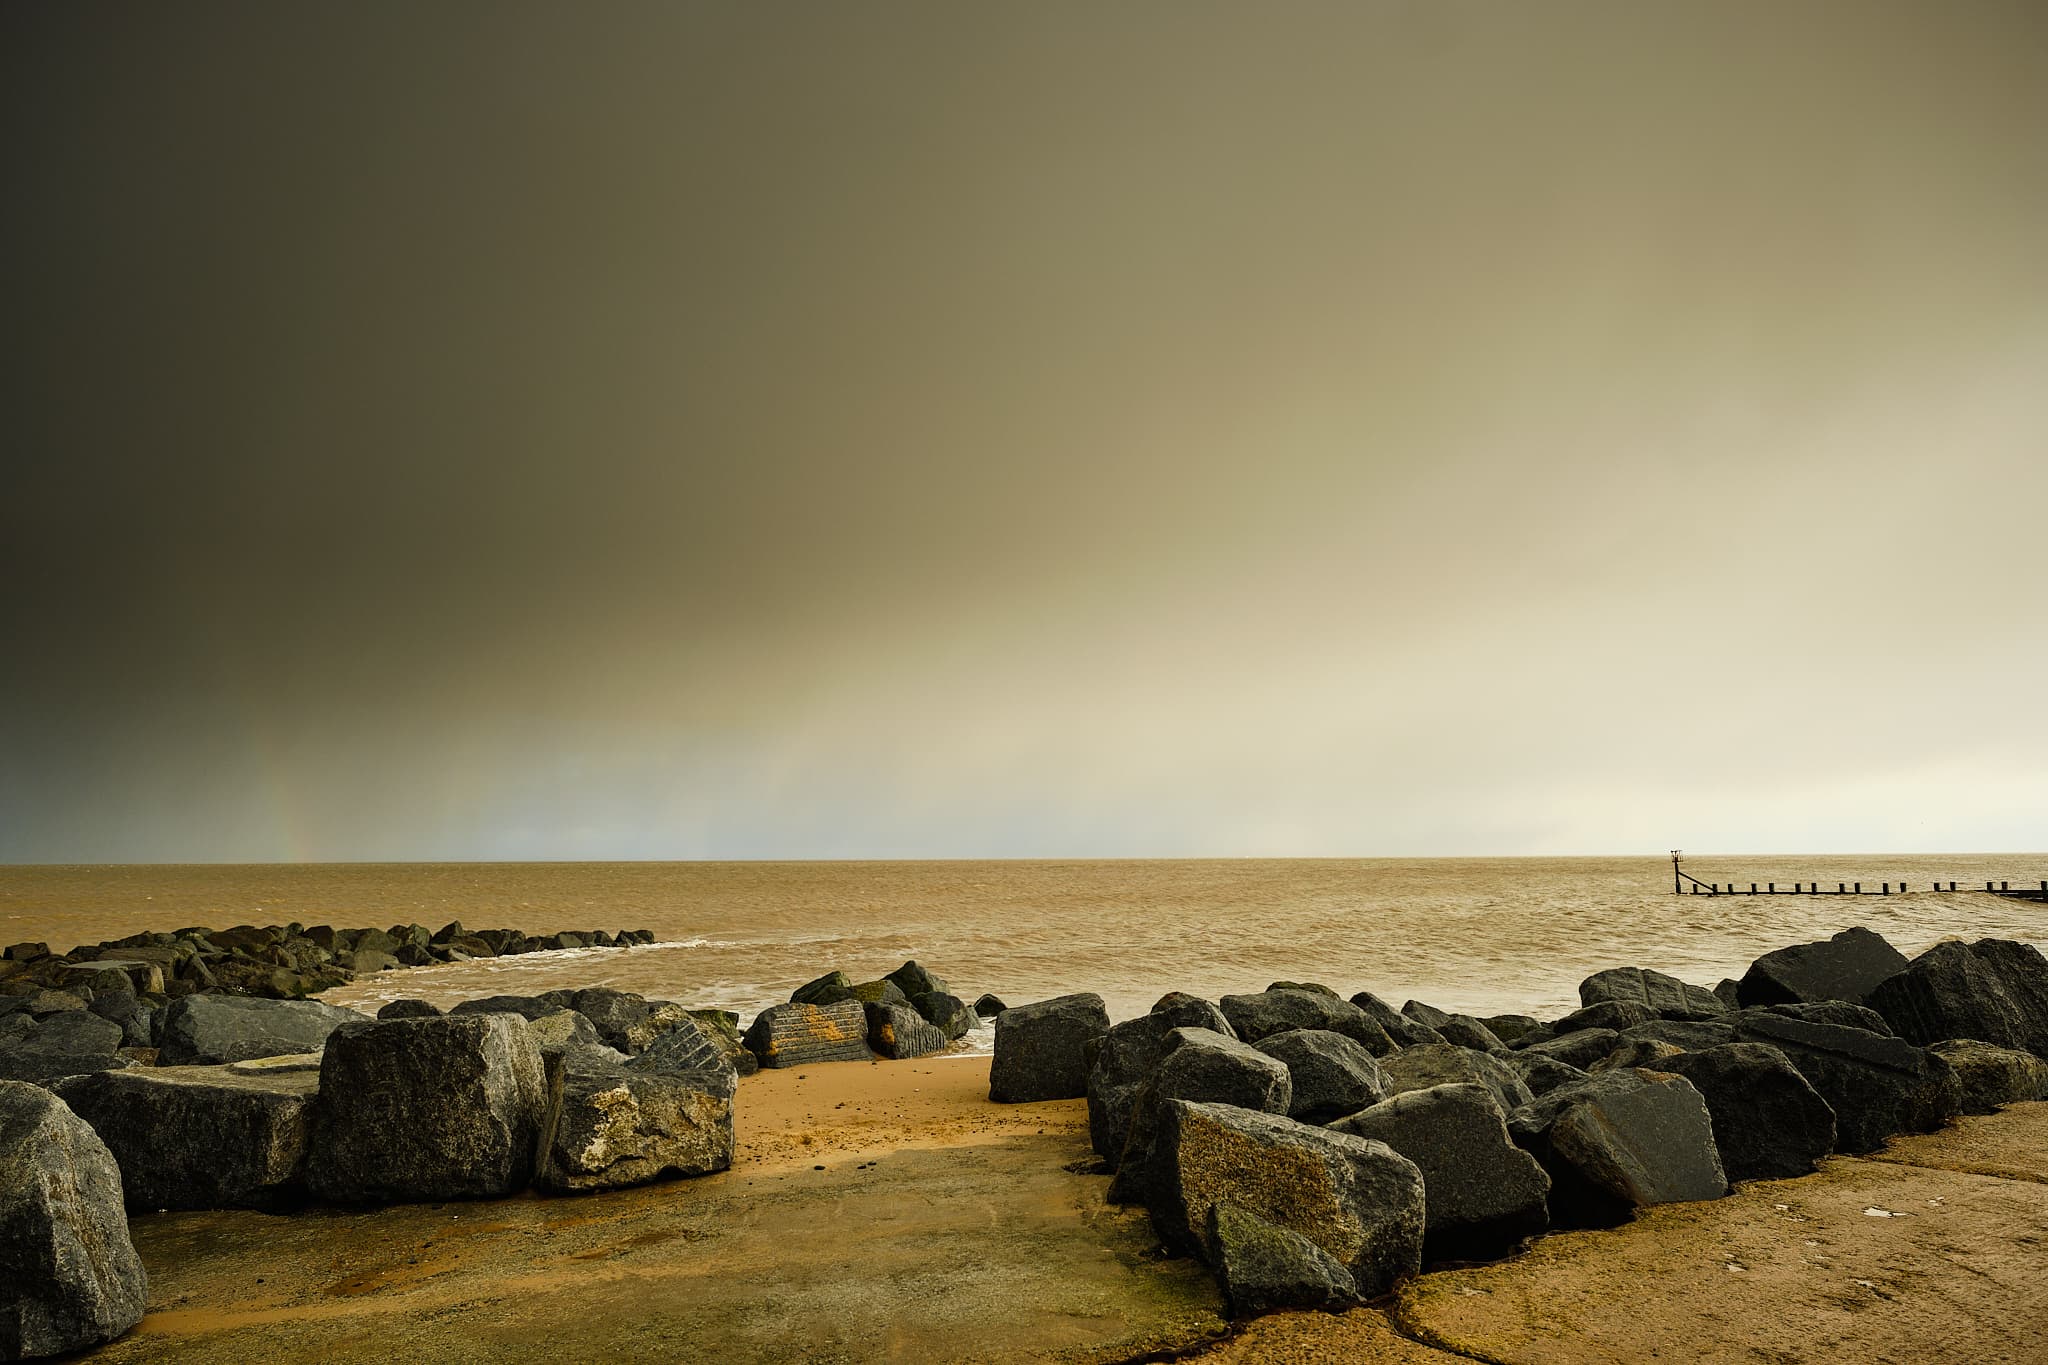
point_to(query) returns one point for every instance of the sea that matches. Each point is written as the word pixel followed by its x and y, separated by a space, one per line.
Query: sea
pixel 1478 935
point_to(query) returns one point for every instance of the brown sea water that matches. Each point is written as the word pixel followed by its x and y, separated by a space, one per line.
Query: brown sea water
pixel 1481 935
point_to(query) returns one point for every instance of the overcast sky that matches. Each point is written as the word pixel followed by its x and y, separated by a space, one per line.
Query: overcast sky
pixel 1049 429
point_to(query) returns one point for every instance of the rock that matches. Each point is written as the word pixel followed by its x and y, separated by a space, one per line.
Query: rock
pixel 425 1109
pixel 1039 1049
pixel 1404 1031
pixel 611 1126
pixel 1613 1015
pixel 1992 1076
pixel 1510 1028
pixel 946 1013
pixel 367 961
pixel 1482 1193
pixel 408 1009
pixel 1620 1141
pixel 1262 1268
pixel 694 1047
pixel 816 992
pixel 2022 970
pixel 210 1029
pixel 1542 1074
pixel 1634 1052
pixel 202 1137
pixel 914 980
pixel 989 1006
pixel 138 1022
pixel 1256 1016
pixel 1835 1012
pixel 1950 992
pixel 67 1044
pixel 722 1027
pixel 1580 1049
pixel 27 952
pixel 1419 1068
pixel 1128 1055
pixel 798 1035
pixel 562 1031
pixel 1330 1075
pixel 131 975
pixel 1198 1064
pixel 1683 1034
pixel 1355 1198
pixel 1845 967
pixel 527 1007
pixel 620 1017
pixel 1425 1014
pixel 1728 992
pixel 1877 1086
pixel 44 1003
pixel 1769 1123
pixel 1664 996
pixel 898 1031
pixel 70 1275
pixel 1462 1030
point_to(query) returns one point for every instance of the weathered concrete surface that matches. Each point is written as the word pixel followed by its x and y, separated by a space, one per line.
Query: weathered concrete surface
pixel 984 1249
pixel 1872 1259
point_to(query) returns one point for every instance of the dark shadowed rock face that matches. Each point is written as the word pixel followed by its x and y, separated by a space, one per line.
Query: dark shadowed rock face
pixel 1466 1031
pixel 409 1009
pixel 989 1006
pixel 1688 1035
pixel 412 1110
pixel 1992 1076
pixel 1580 1049
pixel 69 1277
pixel 1664 996
pixel 1404 1031
pixel 832 984
pixel 948 1014
pixel 1358 1200
pixel 1202 1065
pixel 1542 1074
pixel 1957 990
pixel 66 1044
pixel 1256 1016
pixel 1041 1049
pixel 1635 1052
pixel 1612 1015
pixel 1511 1028
pixel 201 1137
pixel 799 1035
pixel 1845 967
pixel 525 1006
pixel 898 1031
pixel 1620 1141
pixel 610 1126
pixel 914 979
pixel 1419 1068
pixel 1839 1012
pixel 1769 1122
pixel 1331 1075
pixel 1262 1268
pixel 208 1030
pixel 1482 1193
pixel 1125 1059
pixel 1877 1086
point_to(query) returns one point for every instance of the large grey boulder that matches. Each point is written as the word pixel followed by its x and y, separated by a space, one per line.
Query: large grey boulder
pixel 562 1030
pixel 610 1126
pixel 528 1007
pixel 799 1035
pixel 1276 1011
pixel 207 1030
pixel 1357 1199
pixel 949 1014
pixel 1580 1048
pixel 67 1044
pixel 1877 1086
pixel 1463 1030
pixel 1846 967
pixel 1262 1268
pixel 1542 1074
pixel 414 1110
pixel 1420 1068
pixel 1404 1031
pixel 1992 1076
pixel 1620 1141
pixel 1126 1057
pixel 833 985
pixel 899 1032
pixel 1664 996
pixel 1203 1065
pixel 202 1137
pixel 914 979
pixel 1611 1015
pixel 696 1047
pixel 1769 1122
pixel 1483 1194
pixel 1041 1049
pixel 624 1019
pixel 69 1276
pixel 1331 1075
pixel 1981 991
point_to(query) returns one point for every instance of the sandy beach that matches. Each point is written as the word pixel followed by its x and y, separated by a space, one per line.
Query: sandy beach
pixel 889 1211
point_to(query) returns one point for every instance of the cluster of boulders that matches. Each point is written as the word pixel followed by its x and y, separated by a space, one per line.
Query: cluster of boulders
pixel 265 1104
pixel 907 1013
pixel 1312 1149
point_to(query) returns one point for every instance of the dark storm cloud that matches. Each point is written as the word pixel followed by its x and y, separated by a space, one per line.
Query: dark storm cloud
pixel 520 431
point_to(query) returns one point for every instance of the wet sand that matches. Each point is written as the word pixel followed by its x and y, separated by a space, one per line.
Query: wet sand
pixel 945 1228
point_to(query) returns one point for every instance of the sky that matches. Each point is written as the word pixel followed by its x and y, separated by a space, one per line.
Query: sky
pixel 1389 427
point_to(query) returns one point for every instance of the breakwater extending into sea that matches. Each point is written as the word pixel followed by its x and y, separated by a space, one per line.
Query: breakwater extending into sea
pixel 1484 935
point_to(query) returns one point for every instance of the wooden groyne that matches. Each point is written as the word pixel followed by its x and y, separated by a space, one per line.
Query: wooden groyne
pixel 1684 883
